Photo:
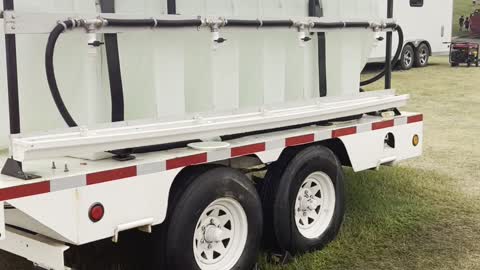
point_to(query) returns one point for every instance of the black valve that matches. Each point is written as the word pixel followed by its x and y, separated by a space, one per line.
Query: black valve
pixel 96 43
pixel 220 40
pixel 306 39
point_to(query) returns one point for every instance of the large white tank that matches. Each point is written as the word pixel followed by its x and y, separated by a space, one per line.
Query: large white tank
pixel 172 74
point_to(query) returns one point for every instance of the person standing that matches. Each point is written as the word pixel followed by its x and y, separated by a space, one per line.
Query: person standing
pixel 461 21
pixel 467 24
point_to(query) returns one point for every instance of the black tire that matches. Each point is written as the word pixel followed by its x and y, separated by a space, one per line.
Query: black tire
pixel 422 55
pixel 408 57
pixel 188 205
pixel 454 64
pixel 279 193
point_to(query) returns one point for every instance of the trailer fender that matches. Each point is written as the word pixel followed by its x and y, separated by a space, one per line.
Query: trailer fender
pixel 370 150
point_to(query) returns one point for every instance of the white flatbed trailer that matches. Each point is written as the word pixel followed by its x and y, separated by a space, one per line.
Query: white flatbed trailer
pixel 66 201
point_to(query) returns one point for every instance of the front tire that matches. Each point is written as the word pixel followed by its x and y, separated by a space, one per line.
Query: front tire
pixel 304 200
pixel 216 223
pixel 422 55
pixel 408 57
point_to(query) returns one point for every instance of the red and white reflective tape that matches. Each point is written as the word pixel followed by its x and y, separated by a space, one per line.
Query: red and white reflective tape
pixel 201 158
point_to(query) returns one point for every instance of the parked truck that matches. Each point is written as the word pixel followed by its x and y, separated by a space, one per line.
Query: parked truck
pixel 136 130
pixel 427 27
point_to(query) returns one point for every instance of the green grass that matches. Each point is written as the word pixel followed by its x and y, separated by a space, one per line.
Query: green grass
pixel 461 7
pixel 398 219
pixel 424 214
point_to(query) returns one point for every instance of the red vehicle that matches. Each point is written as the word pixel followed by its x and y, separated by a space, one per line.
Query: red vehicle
pixel 475 23
pixel 464 52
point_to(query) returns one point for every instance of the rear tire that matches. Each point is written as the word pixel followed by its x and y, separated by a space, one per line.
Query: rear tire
pixel 422 55
pixel 303 197
pixel 407 58
pixel 215 224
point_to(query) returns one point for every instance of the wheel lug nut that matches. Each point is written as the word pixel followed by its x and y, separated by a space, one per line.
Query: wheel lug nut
pixel 209 246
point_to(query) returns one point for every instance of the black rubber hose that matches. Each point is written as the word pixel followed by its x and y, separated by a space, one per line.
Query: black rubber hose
pixel 131 22
pixel 153 23
pixel 179 23
pixel 244 23
pixel 52 82
pixel 331 25
pixel 278 23
pixel 394 60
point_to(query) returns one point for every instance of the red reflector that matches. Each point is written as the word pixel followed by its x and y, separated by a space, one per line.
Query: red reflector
pixel 96 212
pixel 415 119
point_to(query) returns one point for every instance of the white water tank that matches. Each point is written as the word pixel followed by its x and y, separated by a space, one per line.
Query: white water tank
pixel 171 74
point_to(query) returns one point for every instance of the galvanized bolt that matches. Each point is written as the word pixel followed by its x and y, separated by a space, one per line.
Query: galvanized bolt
pixel 209 246
pixel 304 213
pixel 203 228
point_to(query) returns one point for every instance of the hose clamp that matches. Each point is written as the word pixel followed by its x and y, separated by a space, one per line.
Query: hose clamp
pixel 155 22
pixel 65 28
pixel 260 23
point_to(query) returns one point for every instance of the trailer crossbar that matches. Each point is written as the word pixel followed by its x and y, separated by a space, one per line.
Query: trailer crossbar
pixel 80 141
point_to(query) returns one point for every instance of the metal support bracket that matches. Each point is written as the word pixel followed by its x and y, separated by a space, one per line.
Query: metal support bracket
pixel 14 168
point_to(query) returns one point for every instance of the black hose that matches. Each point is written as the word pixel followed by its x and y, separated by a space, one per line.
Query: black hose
pixel 52 82
pixel 395 58
pixel 278 23
pixel 153 23
pixel 69 24
pixel 244 23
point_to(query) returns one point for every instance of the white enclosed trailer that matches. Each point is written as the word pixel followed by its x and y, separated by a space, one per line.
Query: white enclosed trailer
pixel 427 27
pixel 201 95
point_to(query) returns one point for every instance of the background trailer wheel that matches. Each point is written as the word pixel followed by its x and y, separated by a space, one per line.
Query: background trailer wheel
pixel 407 58
pixel 215 223
pixel 303 198
pixel 422 55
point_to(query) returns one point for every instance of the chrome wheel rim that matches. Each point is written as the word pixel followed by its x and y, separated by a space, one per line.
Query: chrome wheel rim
pixel 407 58
pixel 423 56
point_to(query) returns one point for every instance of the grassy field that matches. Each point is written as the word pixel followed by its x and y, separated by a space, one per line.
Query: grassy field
pixel 424 214
pixel 461 7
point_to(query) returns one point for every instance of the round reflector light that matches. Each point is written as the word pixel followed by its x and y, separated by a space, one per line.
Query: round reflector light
pixel 415 140
pixel 97 212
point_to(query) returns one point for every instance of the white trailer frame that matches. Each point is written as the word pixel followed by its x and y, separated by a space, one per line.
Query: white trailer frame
pixel 53 211
pixel 56 206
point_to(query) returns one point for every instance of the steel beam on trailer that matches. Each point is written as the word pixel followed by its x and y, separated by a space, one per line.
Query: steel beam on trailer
pixel 12 75
pixel 172 7
pixel 388 57
pixel 77 141
pixel 114 68
pixel 316 10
